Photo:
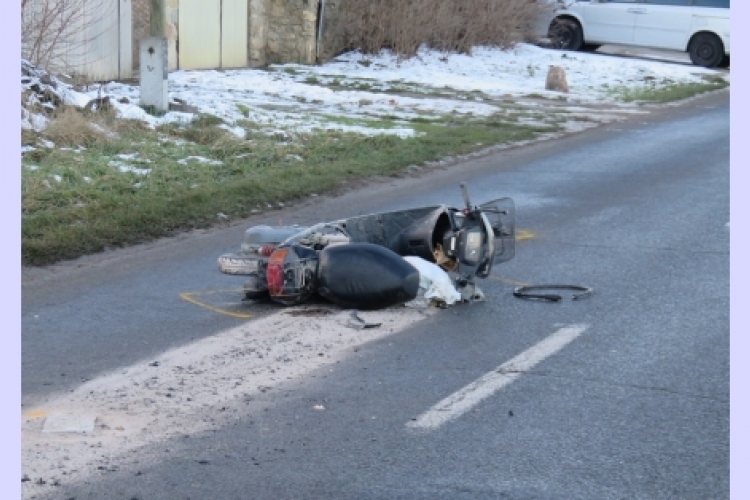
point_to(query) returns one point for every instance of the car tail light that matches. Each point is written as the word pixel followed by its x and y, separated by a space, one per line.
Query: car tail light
pixel 275 271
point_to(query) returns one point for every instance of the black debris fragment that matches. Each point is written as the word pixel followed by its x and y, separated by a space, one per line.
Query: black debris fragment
pixel 360 323
pixel 532 292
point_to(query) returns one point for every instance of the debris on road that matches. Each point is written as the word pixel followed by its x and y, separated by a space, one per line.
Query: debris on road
pixel 532 292
pixel 67 422
pixel 360 323
pixel 311 312
pixel 434 284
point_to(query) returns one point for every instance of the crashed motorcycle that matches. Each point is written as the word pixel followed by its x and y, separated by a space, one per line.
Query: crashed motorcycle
pixel 371 261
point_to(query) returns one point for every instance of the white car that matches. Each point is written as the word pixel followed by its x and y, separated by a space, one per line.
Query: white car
pixel 699 27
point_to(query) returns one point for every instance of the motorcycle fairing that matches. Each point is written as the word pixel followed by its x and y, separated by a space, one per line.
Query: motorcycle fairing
pixel 407 232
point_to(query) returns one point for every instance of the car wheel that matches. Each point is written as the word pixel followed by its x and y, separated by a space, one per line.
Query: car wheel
pixel 566 34
pixel 724 62
pixel 706 50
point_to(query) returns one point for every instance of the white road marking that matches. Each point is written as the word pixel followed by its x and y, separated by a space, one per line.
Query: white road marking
pixel 463 400
pixel 188 389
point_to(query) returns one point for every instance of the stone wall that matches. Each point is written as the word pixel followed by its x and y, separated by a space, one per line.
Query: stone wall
pixel 257 32
pixel 291 31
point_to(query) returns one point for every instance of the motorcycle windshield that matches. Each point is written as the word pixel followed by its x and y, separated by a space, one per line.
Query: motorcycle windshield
pixel 501 214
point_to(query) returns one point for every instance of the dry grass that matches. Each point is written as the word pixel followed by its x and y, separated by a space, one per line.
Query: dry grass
pixel 370 25
pixel 69 127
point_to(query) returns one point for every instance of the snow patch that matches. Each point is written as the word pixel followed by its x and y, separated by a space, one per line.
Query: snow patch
pixel 199 159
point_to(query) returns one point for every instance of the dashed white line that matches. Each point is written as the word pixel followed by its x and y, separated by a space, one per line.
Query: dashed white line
pixel 466 398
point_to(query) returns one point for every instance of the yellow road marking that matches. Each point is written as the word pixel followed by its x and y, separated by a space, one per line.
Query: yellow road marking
pixel 523 235
pixel 34 414
pixel 188 296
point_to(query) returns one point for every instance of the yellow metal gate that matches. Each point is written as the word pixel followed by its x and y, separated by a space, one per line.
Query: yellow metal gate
pixel 212 34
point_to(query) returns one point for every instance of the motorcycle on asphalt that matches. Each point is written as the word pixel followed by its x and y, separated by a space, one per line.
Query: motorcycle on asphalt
pixel 363 262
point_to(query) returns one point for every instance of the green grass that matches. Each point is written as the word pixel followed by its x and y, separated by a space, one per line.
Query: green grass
pixel 244 110
pixel 341 82
pixel 375 123
pixel 670 92
pixel 94 206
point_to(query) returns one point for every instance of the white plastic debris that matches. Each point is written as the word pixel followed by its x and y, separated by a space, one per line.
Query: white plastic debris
pixel 66 422
pixel 433 281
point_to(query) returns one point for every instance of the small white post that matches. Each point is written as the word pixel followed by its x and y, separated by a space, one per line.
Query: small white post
pixel 153 59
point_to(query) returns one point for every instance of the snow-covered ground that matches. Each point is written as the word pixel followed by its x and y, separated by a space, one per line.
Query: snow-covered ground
pixel 356 92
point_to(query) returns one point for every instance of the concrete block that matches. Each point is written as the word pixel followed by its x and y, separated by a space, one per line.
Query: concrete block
pixel 154 71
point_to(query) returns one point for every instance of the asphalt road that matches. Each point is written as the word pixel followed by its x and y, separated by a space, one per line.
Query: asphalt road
pixel 636 405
